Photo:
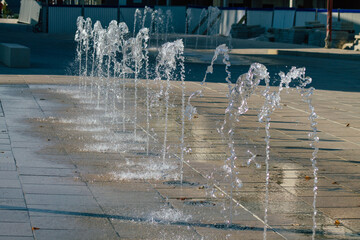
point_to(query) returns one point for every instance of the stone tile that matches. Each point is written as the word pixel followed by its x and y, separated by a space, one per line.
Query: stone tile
pixel 62 210
pixel 185 192
pixel 55 189
pixel 353 224
pixel 15 229
pixel 4 135
pixel 14 215
pixel 90 234
pixel 70 223
pixel 11 193
pixel 59 199
pixel 12 203
pixel 252 234
pixel 4 141
pixel 335 202
pixel 147 230
pixel 50 180
pixel 7 160
pixel 130 197
pixel 15 238
pixel 10 175
pixel 342 213
pixel 7 167
pixel 51 172
pixel 7 183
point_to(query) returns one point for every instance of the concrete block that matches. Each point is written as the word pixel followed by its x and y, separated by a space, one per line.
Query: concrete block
pixel 15 55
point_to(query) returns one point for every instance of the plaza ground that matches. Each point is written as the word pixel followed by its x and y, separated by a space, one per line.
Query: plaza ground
pixel 51 188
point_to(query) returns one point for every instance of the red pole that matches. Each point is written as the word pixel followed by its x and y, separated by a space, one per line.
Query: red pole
pixel 329 23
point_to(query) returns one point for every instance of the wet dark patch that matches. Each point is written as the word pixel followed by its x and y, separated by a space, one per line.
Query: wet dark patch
pixel 184 183
pixel 200 203
pixel 321 140
pixel 145 154
pixel 121 131
pixel 293 130
pixel 15 85
pixel 232 226
pixel 2 114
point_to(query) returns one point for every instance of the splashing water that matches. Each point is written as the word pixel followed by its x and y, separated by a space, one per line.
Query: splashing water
pixel 168 215
pixel 306 95
pixel 124 69
pixel 212 22
pixel 203 14
pixel 79 38
pixel 87 36
pixel 137 15
pixel 146 11
pixel 110 44
pixel 272 101
pixel 138 46
pixel 187 23
pixel 169 20
pixel 169 54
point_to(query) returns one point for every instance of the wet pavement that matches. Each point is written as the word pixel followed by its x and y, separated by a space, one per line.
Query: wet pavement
pixel 68 172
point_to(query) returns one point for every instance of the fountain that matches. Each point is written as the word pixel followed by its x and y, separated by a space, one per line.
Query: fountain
pixel 130 58
pixel 187 23
pixel 212 23
pixel 170 55
pixel 203 15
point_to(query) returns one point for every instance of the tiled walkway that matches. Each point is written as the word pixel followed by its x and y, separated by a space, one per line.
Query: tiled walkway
pixel 54 185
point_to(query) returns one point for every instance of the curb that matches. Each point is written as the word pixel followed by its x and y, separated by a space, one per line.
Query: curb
pixel 353 57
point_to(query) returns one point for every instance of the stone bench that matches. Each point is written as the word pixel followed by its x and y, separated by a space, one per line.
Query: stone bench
pixel 15 55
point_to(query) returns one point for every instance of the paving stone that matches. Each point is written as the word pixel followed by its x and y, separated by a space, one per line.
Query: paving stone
pixel 15 229
pixel 51 172
pixel 11 193
pixel 50 180
pixel 4 167
pixel 63 210
pixel 342 213
pixel 7 183
pixel 71 223
pixel 15 238
pixel 59 199
pixel 148 230
pixel 10 175
pixel 75 234
pixel 14 215
pixel 55 189
pixel 12 203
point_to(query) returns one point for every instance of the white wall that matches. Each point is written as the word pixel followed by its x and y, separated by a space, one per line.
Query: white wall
pixel 229 17
pixel 195 19
pixel 178 15
pixel 63 19
pixel 259 17
pixel 104 15
pixel 283 19
pixel 304 16
pixel 353 17
pixel 127 16
pixel 322 17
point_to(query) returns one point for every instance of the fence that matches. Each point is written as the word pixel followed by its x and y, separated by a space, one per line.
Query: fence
pixel 62 19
